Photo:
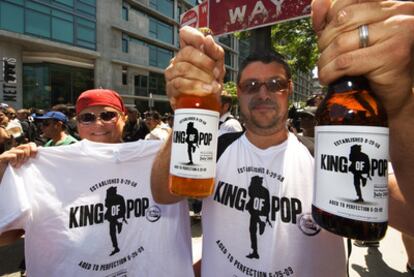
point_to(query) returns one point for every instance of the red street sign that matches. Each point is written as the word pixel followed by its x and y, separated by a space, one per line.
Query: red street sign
pixel 227 16
pixel 196 17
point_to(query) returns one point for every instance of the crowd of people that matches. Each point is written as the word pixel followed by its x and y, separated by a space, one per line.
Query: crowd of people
pixel 58 126
pixel 102 207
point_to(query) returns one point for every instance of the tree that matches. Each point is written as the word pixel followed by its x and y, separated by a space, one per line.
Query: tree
pixel 231 88
pixel 297 41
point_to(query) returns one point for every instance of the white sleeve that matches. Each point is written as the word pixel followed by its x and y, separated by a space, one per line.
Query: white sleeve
pixel 14 203
pixel 230 126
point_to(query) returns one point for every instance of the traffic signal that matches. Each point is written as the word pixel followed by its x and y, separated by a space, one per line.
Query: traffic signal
pixel 9 72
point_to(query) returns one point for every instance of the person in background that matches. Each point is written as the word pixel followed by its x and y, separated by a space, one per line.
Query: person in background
pixel 28 126
pixel 168 119
pixel 315 100
pixel 135 128
pixel 14 127
pixel 158 129
pixel 53 127
pixel 70 113
pixel 227 122
pixel 307 122
pixel 6 139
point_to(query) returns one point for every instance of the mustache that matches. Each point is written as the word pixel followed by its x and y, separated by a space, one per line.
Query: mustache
pixel 257 102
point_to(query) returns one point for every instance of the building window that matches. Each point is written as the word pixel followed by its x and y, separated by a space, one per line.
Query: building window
pixel 62 30
pixel 65 2
pixel 56 20
pixel 46 84
pixel 86 8
pixel 11 17
pixel 156 83
pixel 166 7
pixel 124 75
pixel 161 30
pixel 37 23
pixel 228 58
pixel 159 57
pixel 125 41
pixel 86 32
pixel 226 40
pixel 125 13
pixel 141 85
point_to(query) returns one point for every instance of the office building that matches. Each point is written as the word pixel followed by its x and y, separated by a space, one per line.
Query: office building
pixel 52 50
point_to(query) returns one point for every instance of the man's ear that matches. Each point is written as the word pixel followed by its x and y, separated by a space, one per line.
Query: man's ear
pixel 291 85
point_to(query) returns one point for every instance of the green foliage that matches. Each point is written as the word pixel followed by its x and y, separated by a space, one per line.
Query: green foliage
pixel 296 40
pixel 231 88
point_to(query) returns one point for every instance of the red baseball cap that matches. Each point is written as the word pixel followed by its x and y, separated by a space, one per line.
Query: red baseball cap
pixel 99 97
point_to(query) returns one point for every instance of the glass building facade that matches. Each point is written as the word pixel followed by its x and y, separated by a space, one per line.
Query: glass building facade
pixel 69 21
pixel 48 74
pixel 46 84
pixel 62 47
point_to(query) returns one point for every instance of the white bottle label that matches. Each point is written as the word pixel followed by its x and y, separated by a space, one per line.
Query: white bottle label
pixel 351 176
pixel 194 146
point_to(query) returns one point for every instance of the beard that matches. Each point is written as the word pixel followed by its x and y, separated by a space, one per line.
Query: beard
pixel 262 123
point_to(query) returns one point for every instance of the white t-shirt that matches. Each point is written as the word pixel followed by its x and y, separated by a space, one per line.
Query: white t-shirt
pixel 265 196
pixel 229 124
pixel 80 203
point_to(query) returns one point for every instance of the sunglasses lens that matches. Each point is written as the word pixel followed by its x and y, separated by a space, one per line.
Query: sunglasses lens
pixel 87 118
pixel 275 85
pixel 250 86
pixel 108 116
pixel 272 85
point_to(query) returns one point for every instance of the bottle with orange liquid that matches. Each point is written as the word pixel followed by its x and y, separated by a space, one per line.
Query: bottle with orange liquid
pixel 194 144
pixel 351 152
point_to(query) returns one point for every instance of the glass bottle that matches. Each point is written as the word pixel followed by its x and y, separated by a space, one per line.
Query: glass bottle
pixel 194 146
pixel 351 152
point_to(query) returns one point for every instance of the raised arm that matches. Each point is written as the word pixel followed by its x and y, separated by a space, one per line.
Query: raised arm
pixel 198 68
pixel 16 156
pixel 387 62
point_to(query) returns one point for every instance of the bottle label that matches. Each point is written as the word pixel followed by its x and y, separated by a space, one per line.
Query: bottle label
pixel 194 146
pixel 351 176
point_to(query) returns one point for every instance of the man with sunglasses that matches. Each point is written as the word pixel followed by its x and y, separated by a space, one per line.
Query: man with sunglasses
pixel 87 208
pixel 294 245
pixel 53 127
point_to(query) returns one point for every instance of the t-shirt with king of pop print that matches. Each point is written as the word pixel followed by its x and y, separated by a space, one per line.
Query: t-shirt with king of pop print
pixel 258 220
pixel 87 210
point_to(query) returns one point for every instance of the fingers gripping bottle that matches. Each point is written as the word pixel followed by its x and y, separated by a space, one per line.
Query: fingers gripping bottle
pixel 351 152
pixel 194 145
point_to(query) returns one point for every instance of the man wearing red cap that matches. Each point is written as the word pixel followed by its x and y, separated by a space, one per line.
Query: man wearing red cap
pixel 89 211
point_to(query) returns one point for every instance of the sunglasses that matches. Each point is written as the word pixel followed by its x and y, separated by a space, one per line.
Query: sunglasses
pixel 45 123
pixel 105 117
pixel 273 85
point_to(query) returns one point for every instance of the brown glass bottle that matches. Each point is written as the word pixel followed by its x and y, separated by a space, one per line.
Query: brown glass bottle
pixel 351 152
pixel 199 108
